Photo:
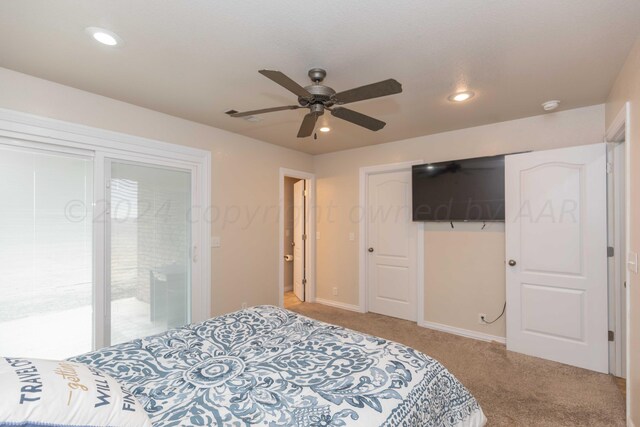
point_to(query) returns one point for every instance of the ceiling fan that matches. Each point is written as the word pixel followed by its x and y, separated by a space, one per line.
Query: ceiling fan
pixel 318 97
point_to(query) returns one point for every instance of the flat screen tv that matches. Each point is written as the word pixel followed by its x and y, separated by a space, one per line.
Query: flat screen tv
pixel 459 190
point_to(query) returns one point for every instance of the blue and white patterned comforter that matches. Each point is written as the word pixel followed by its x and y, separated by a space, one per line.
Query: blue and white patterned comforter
pixel 272 367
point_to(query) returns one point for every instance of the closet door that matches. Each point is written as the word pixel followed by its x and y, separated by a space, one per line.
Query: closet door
pixel 392 245
pixel 556 247
pixel 148 280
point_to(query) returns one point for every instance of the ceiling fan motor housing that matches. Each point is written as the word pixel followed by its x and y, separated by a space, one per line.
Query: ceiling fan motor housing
pixel 321 95
pixel 317 109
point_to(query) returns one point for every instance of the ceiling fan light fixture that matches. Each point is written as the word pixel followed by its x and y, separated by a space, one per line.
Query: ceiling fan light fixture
pixel 461 96
pixel 324 129
pixel 103 36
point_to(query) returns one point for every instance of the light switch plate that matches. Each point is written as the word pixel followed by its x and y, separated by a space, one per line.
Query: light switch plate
pixel 215 241
pixel 352 236
pixel 317 235
pixel 632 262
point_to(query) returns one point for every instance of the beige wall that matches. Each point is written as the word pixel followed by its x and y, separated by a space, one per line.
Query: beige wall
pixel 627 88
pixel 244 174
pixel 464 275
pixel 454 292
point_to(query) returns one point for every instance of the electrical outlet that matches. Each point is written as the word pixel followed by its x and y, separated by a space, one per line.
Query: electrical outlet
pixel 335 291
pixel 244 305
pixel 481 318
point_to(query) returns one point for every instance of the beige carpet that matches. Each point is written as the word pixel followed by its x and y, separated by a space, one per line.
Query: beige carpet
pixel 513 389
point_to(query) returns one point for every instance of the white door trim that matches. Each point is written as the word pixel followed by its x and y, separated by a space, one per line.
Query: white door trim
pixel 618 128
pixel 310 243
pixel 619 131
pixel 24 129
pixel 365 171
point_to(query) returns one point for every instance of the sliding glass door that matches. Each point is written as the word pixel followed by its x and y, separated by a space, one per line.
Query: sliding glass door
pixel 46 253
pixel 149 262
pixel 95 249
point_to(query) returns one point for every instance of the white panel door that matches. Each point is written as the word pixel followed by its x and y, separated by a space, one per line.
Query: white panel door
pixel 298 240
pixel 556 247
pixel 392 246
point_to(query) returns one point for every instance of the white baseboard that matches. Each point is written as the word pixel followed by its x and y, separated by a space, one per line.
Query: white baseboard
pixel 462 332
pixel 336 304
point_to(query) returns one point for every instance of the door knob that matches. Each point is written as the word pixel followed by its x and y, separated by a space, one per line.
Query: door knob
pixel 512 262
pixel 370 249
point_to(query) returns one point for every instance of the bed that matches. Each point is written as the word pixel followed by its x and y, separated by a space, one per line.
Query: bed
pixel 272 367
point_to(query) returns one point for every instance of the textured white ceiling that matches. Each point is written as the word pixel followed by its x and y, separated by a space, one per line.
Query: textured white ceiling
pixel 196 59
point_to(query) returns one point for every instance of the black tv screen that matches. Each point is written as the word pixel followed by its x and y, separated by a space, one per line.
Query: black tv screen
pixel 460 190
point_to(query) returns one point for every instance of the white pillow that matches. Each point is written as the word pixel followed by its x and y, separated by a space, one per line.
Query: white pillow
pixel 60 393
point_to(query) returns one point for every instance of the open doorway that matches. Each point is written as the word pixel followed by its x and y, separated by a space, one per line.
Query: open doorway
pixel 297 225
pixel 294 237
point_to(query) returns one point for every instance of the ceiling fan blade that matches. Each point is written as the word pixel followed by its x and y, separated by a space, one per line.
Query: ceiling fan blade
pixel 307 126
pixel 358 118
pixel 374 90
pixel 264 110
pixel 286 83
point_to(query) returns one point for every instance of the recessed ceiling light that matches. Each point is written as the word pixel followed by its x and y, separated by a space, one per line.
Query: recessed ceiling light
pixel 325 129
pixel 103 36
pixel 461 96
